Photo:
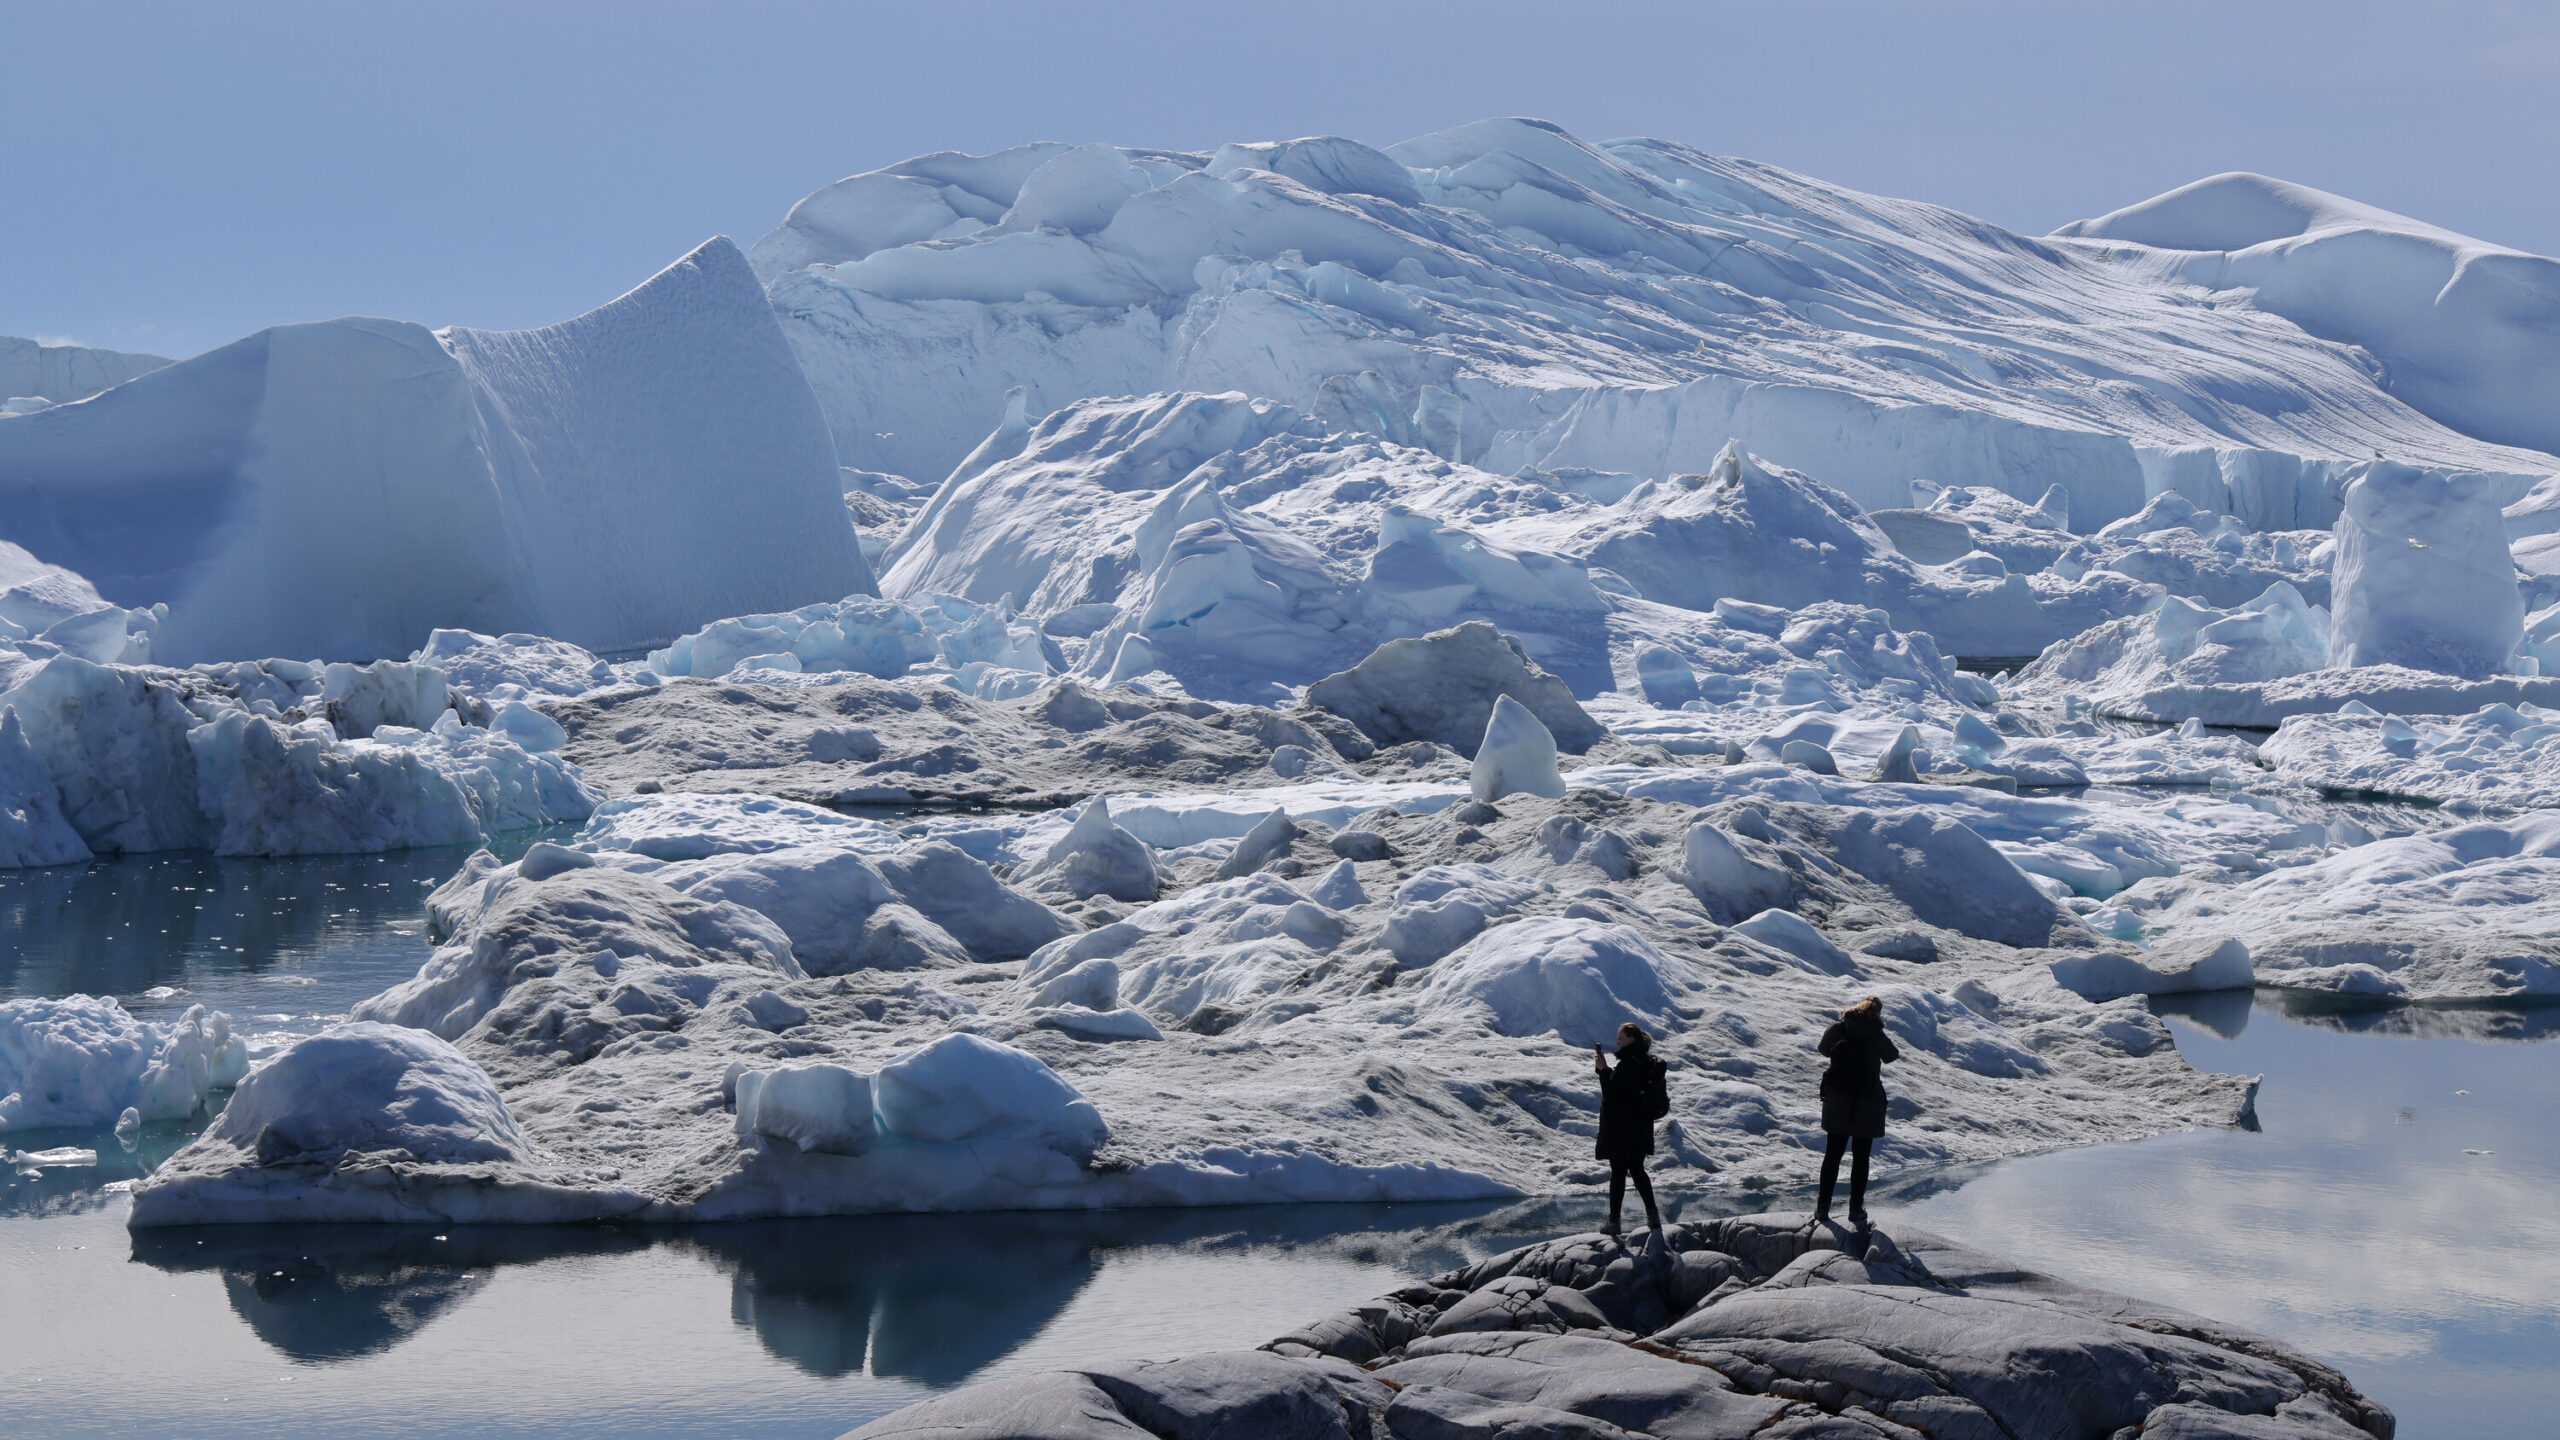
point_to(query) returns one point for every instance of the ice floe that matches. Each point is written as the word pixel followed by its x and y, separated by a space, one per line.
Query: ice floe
pixel 83 1061
pixel 139 758
pixel 2469 913
pixel 1386 1016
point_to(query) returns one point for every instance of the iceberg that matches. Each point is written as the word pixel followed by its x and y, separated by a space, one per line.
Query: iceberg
pixel 342 489
pixel 138 758
pixel 84 1062
pixel 2424 578
pixel 1508 295
pixel 60 374
pixel 2466 914
pixel 2463 328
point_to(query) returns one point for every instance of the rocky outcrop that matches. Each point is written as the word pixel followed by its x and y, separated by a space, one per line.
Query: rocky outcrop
pixel 1759 1325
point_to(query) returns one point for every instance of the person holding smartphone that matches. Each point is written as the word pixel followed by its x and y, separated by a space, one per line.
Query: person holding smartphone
pixel 1853 1101
pixel 1632 1097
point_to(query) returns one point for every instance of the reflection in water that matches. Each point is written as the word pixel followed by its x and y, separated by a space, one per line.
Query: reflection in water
pixel 338 1292
pixel 2504 1022
pixel 124 924
pixel 928 1298
pixel 931 1298
pixel 2223 1012
pixel 2390 1214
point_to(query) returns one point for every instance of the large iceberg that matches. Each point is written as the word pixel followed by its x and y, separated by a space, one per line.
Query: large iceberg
pixel 1509 295
pixel 36 376
pixel 343 488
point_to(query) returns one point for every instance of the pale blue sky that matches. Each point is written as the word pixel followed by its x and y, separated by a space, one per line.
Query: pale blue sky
pixel 172 177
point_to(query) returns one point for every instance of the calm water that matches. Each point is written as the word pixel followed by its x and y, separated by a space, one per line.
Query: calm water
pixel 2379 1216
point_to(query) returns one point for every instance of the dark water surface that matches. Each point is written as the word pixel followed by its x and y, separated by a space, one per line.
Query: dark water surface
pixel 2378 1216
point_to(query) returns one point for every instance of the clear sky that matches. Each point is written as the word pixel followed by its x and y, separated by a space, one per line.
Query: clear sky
pixel 174 176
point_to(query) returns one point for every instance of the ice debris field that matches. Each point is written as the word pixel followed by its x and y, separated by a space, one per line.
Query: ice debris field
pixel 1086 676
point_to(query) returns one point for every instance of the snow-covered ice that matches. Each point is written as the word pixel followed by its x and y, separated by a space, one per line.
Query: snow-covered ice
pixel 139 758
pixel 83 1061
pixel 2470 913
pixel 1372 1009
pixel 60 374
pixel 2463 328
pixel 1504 293
pixel 2499 757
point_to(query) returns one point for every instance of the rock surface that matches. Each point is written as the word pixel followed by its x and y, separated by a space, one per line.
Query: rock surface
pixel 1733 1328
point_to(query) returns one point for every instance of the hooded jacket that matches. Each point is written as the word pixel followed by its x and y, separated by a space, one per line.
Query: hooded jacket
pixel 1853 1088
pixel 1626 1113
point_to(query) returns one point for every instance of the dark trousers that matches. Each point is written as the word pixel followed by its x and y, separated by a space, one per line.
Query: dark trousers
pixel 1858 1147
pixel 1619 1170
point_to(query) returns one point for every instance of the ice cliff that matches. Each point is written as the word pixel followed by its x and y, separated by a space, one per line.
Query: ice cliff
pixel 340 489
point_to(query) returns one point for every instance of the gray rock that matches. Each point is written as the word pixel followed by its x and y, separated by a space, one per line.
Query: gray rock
pixel 1600 1379
pixel 1434 1412
pixel 1789 1330
pixel 1522 1303
pixel 1361 845
pixel 1025 1407
pixel 1245 1392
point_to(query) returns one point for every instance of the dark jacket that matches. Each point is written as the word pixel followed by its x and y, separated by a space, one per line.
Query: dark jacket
pixel 1626 1110
pixel 1853 1088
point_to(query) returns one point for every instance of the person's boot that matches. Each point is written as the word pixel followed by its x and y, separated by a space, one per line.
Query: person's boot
pixel 1610 1225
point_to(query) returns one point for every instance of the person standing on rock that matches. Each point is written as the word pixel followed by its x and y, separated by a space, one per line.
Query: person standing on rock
pixel 1632 1097
pixel 1853 1101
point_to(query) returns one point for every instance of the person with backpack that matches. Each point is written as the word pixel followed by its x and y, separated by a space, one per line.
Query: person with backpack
pixel 1853 1101
pixel 1634 1093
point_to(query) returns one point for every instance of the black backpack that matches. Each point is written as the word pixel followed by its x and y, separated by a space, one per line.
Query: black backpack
pixel 1657 1100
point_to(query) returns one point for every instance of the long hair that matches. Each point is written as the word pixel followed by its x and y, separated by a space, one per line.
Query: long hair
pixel 1872 1007
pixel 1644 1041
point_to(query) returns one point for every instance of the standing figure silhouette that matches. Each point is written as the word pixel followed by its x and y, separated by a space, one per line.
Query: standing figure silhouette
pixel 1853 1101
pixel 1630 1093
